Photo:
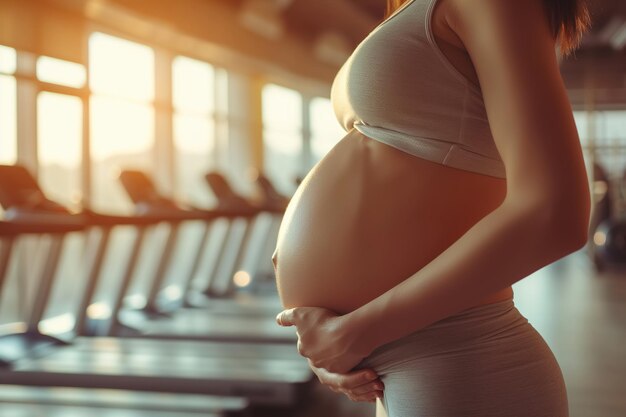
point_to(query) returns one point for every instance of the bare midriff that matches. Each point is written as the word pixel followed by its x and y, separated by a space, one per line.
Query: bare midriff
pixel 369 216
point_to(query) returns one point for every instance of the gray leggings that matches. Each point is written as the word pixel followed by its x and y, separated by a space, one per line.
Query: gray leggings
pixel 487 361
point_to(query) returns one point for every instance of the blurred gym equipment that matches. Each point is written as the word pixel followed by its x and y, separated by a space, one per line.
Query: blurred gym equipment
pixel 215 319
pixel 263 374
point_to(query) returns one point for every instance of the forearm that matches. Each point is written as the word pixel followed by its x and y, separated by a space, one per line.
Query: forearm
pixel 502 248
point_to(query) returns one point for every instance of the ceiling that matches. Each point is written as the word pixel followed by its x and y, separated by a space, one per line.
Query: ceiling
pixel 309 39
pixel 307 18
pixel 597 64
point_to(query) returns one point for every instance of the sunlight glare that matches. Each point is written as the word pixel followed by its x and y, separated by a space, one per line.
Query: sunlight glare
pixel 282 108
pixel 172 292
pixel 120 127
pixel 282 119
pixel 8 120
pixel 325 129
pixel 242 279
pixel 120 68
pixel 63 323
pixel 61 72
pixel 192 85
pixel 59 129
pixel 193 134
pixel 8 59
pixel 282 135
pixel 99 311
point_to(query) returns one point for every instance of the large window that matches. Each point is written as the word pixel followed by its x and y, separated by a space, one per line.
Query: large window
pixel 282 136
pixel 57 71
pixel 121 114
pixel 325 129
pixel 59 146
pixel 604 134
pixel 59 155
pixel 60 131
pixel 8 117
pixel 286 154
pixel 607 126
pixel 193 93
pixel 8 155
pixel 7 59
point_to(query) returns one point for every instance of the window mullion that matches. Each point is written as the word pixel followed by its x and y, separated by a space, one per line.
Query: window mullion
pixel 164 169
pixel 26 95
pixel 307 156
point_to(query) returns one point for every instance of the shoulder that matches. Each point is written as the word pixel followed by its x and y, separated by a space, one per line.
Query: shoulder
pixel 497 20
pixel 504 35
pixel 512 49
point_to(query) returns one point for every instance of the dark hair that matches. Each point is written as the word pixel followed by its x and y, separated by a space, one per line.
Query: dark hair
pixel 569 19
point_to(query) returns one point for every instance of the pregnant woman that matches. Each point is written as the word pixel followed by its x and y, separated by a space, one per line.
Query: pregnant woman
pixel 460 174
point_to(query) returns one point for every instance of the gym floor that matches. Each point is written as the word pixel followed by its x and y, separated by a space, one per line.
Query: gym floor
pixel 582 316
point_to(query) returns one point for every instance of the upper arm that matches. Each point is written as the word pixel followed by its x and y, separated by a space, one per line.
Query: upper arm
pixel 529 113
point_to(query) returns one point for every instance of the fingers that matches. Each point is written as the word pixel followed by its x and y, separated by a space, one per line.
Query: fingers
pixel 363 385
pixel 366 392
pixel 368 388
pixel 286 318
pixel 366 398
pixel 347 380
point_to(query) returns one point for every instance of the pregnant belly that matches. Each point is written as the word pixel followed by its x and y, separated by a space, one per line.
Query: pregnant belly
pixel 369 216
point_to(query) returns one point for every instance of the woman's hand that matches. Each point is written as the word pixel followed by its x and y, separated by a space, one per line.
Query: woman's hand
pixel 362 385
pixel 324 338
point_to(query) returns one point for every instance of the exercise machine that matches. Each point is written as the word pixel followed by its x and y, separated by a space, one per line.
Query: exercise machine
pixel 262 374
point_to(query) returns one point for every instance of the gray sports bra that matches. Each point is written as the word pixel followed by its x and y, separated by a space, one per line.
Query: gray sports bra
pixel 397 87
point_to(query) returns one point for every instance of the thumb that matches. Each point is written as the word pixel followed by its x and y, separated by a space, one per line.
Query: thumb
pixel 286 318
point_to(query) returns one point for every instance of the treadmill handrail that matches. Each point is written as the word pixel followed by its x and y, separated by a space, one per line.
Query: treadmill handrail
pixel 25 221
pixel 229 199
pixel 149 203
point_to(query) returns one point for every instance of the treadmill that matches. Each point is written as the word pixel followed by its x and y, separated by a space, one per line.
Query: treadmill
pixel 268 205
pixel 272 375
pixel 27 401
pixel 276 204
pixel 214 319
pixel 270 196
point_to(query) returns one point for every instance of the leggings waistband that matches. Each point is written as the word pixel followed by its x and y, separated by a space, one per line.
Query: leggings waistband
pixel 460 331
pixel 485 361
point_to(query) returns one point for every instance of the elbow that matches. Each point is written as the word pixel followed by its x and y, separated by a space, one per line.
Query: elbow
pixel 558 234
pixel 556 212
pixel 558 225
pixel 577 238
pixel 568 223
